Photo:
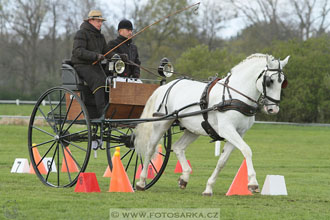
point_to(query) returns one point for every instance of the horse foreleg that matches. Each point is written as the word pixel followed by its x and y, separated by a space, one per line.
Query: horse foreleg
pixel 234 137
pixel 179 149
pixel 227 149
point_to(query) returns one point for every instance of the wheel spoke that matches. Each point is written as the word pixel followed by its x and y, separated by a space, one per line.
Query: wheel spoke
pixel 58 165
pixel 70 143
pixel 126 155
pixel 39 129
pixel 71 156
pixel 52 111
pixel 72 134
pixel 51 164
pixel 52 126
pixel 66 114
pixel 135 168
pixel 66 163
pixel 46 153
pixel 153 166
pixel 43 143
pixel 129 161
pixel 74 120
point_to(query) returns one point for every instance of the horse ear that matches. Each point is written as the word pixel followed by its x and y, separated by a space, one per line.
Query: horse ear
pixel 285 61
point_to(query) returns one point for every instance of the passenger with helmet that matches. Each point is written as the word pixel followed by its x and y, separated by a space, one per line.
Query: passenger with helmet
pixel 127 51
pixel 89 45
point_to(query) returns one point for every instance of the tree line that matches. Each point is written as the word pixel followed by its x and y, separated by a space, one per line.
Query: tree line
pixel 36 35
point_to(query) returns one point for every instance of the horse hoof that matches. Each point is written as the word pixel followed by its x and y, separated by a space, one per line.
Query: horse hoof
pixel 139 188
pixel 182 183
pixel 254 188
pixel 207 194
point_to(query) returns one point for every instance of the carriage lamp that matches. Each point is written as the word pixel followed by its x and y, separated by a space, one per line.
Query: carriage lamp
pixel 116 65
pixel 165 68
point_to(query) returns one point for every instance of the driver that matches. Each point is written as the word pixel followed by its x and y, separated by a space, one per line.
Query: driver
pixel 89 45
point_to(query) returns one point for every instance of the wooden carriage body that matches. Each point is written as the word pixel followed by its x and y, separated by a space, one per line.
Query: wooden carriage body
pixel 126 99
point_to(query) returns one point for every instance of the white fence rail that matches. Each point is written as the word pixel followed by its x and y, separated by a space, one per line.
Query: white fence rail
pixel 22 102
pixel 19 102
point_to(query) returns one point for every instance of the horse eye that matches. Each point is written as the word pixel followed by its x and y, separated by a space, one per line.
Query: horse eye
pixel 269 82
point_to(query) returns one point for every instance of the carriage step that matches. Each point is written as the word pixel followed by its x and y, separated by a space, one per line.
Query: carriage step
pixel 158 114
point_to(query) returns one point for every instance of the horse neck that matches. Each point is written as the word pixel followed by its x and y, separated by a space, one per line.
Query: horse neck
pixel 244 78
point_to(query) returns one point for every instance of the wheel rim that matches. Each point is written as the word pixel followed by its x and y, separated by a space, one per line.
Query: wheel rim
pixel 59 137
pixel 133 162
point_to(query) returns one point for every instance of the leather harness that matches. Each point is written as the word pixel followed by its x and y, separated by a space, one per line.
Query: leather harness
pixel 225 105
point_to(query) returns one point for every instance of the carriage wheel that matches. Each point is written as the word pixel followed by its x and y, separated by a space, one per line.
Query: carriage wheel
pixel 59 137
pixel 121 137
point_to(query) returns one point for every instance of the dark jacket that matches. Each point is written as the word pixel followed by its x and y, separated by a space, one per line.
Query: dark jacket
pixel 88 43
pixel 132 52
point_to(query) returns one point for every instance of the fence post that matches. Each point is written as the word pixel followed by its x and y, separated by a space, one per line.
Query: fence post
pixel 17 101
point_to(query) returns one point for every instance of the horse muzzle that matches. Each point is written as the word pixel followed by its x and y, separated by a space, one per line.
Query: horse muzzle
pixel 271 109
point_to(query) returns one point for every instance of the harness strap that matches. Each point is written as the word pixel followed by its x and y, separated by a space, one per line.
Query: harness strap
pixel 225 105
pixel 237 105
pixel 204 102
pixel 165 98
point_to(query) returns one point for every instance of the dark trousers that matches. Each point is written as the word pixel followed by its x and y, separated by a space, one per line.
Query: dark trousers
pixel 95 78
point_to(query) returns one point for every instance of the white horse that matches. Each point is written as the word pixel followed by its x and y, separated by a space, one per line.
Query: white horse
pixel 257 75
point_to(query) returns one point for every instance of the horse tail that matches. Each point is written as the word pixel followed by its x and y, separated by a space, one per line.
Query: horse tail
pixel 143 131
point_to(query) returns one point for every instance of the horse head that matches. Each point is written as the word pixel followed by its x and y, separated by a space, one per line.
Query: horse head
pixel 270 82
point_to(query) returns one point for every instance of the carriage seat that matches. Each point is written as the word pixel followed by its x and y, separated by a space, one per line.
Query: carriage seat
pixel 72 81
pixel 70 77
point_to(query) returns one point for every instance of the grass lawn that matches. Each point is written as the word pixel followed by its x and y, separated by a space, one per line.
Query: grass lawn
pixel 12 109
pixel 300 154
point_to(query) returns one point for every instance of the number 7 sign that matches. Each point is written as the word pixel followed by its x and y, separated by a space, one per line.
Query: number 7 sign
pixel 21 165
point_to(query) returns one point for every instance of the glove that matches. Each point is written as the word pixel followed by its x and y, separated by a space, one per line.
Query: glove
pixel 124 57
pixel 100 57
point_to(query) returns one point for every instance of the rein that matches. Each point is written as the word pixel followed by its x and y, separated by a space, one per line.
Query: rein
pixel 225 85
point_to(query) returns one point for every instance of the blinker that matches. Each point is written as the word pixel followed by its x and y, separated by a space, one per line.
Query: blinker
pixel 285 83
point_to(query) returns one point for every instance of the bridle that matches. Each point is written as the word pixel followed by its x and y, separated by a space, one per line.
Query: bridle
pixel 267 82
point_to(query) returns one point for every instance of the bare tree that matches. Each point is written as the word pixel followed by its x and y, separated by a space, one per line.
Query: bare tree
pixel 213 17
pixel 312 16
pixel 25 20
pixel 307 17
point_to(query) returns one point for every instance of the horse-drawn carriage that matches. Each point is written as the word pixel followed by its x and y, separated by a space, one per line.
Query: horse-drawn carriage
pixel 63 126
pixel 62 130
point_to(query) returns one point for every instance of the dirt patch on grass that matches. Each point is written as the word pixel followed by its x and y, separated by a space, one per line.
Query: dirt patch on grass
pixel 20 121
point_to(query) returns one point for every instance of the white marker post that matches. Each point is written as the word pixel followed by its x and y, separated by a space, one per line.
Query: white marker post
pixel 47 162
pixel 274 185
pixel 21 165
pixel 217 148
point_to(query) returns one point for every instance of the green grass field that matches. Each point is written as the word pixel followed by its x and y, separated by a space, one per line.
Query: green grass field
pixel 301 154
pixel 12 109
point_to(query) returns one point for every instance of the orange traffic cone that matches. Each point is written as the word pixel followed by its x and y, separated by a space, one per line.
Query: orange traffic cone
pixel 151 172
pixel 37 158
pixel 178 168
pixel 69 162
pixel 158 161
pixel 239 186
pixel 108 172
pixel 138 172
pixel 119 181
pixel 87 182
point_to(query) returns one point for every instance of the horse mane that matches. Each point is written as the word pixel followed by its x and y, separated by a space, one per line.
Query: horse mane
pixel 253 56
